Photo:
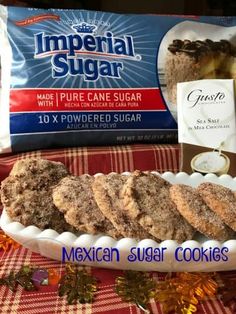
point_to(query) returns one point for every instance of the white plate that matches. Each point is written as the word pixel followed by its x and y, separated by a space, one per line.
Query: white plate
pixel 50 244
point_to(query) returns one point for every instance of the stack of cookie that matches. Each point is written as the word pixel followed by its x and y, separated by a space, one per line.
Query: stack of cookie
pixel 139 205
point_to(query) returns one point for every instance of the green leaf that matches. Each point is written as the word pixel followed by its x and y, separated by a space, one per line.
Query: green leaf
pixel 77 285
pixel 136 287
pixel 23 277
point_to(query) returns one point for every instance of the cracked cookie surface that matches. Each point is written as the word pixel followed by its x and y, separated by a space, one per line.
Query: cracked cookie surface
pixel 26 193
pixel 107 192
pixel 146 198
pixel 192 206
pixel 73 196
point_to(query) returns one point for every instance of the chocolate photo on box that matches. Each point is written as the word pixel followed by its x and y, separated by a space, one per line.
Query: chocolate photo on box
pixel 190 60
pixel 194 51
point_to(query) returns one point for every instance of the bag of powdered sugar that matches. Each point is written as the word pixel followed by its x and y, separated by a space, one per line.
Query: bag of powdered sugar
pixel 76 77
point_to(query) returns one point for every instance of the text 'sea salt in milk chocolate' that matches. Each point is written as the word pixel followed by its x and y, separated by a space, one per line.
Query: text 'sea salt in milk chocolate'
pixel 76 77
pixel 207 126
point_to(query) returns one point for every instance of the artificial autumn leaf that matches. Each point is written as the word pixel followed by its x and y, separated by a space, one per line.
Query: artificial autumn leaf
pixel 176 297
pixel 23 277
pixel 136 287
pixel 77 285
pixel 9 281
pixel 6 243
pixel 203 284
pixel 181 294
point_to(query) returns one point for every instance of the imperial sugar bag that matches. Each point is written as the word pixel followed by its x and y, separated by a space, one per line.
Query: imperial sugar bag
pixel 76 77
